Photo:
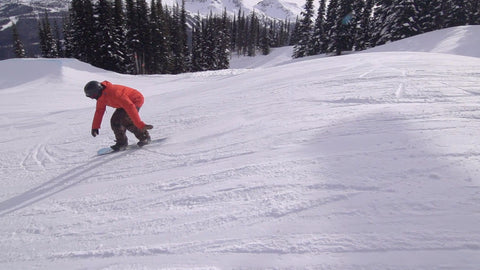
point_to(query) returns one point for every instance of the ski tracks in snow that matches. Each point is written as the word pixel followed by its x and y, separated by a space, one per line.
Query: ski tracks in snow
pixel 350 168
pixel 55 185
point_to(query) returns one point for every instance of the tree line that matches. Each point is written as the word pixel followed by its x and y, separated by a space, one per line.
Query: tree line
pixel 130 36
pixel 346 25
pixel 134 37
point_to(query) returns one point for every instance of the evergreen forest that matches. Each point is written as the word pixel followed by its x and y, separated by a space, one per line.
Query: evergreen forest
pixel 355 25
pixel 134 37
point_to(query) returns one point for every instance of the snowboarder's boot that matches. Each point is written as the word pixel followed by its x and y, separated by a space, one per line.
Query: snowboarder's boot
pixel 120 138
pixel 144 139
pixel 119 146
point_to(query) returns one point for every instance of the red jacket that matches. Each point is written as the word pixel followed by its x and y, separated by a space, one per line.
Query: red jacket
pixel 119 96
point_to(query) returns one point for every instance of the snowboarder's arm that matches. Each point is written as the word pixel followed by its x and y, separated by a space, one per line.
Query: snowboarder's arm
pixel 99 112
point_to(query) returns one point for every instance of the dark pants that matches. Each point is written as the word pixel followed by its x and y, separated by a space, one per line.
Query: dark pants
pixel 120 123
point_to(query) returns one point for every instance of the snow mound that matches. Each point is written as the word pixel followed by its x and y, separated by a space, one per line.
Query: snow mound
pixel 276 57
pixel 16 72
pixel 461 40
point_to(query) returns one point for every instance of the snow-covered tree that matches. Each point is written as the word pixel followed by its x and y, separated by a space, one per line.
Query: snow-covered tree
pixel 304 45
pixel 430 15
pixel 383 11
pixel 105 35
pixel 48 43
pixel 80 31
pixel 122 62
pixel 404 20
pixel 342 33
pixel 18 47
pixel 363 29
pixel 319 38
pixel 160 38
pixel 265 40
pixel 181 54
pixel 457 12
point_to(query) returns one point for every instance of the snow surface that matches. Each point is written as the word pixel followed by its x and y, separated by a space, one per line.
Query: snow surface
pixel 363 161
pixel 462 40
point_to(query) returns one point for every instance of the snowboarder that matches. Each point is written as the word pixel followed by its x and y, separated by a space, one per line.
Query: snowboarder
pixel 127 102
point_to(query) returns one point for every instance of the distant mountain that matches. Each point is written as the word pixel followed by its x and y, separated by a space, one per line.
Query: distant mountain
pixel 279 9
pixel 25 13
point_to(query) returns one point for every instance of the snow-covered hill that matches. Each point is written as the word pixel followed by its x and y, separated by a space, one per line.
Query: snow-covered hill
pixel 462 40
pixel 364 161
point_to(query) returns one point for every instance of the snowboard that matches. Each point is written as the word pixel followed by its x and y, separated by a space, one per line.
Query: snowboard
pixel 108 150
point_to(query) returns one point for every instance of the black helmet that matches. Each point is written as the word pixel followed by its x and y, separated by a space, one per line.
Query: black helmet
pixel 93 89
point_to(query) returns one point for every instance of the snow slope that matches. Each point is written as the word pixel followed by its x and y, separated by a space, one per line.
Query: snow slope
pixel 364 161
pixel 462 40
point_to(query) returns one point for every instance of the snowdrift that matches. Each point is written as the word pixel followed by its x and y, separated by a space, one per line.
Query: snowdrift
pixel 15 72
pixel 364 161
pixel 462 40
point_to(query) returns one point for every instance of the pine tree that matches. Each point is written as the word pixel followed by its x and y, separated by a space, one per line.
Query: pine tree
pixel 265 40
pixel 283 34
pixel 198 57
pixel 143 35
pixel 341 34
pixel 58 39
pixel 294 39
pixel 427 14
pixel 363 31
pixel 17 43
pixel 80 32
pixel 68 37
pixel 242 34
pixel 89 42
pixel 119 47
pixel 382 22
pixel 319 38
pixel 404 21
pixel 305 30
pixel 223 51
pixel 48 44
pixel 175 46
pixel 159 37
pixel 474 17
pixel 233 33
pixel 211 43
pixel 132 36
pixel 181 60
pixel 105 36
pixel 272 32
pixel 253 34
pixel 156 39
pixel 457 13
pixel 331 17
pixel 208 38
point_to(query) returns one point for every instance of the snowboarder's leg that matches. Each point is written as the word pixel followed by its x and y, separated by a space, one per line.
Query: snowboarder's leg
pixel 138 133
pixel 143 137
pixel 117 123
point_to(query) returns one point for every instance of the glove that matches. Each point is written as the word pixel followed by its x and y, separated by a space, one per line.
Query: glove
pixel 95 132
pixel 147 127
